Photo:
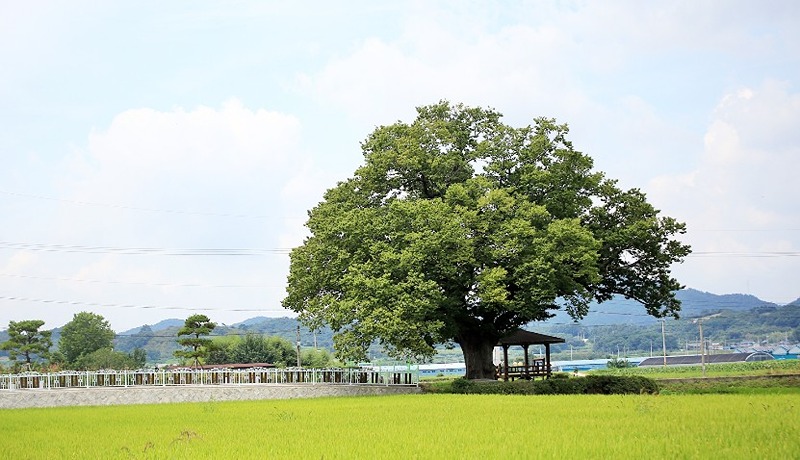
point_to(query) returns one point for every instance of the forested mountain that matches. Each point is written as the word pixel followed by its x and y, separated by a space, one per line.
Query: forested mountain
pixel 759 326
pixel 694 303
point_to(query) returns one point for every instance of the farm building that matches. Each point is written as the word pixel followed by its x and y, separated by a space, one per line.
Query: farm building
pixel 779 351
pixel 694 360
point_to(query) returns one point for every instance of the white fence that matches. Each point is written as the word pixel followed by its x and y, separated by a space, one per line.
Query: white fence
pixel 170 377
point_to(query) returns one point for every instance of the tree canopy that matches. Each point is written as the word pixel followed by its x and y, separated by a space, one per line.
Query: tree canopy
pixel 86 333
pixel 192 337
pixel 25 340
pixel 253 348
pixel 459 228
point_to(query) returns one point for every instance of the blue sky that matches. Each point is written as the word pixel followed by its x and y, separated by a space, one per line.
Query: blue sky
pixel 197 125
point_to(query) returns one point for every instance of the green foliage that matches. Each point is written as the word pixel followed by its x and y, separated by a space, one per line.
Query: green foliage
pixel 192 338
pixel 459 228
pixel 595 384
pixel 617 363
pixel 139 357
pixel 86 333
pixel 106 358
pixel 26 341
pixel 316 358
pixel 139 339
pixel 614 384
pixel 732 385
pixel 253 348
pixel 788 366
pixel 418 426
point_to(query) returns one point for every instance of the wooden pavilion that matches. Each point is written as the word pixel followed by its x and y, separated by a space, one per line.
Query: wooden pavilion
pixel 538 367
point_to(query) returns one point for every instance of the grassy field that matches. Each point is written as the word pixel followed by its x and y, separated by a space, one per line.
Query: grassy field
pixel 760 368
pixel 418 426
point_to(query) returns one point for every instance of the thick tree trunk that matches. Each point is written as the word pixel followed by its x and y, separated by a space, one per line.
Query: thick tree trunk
pixel 478 357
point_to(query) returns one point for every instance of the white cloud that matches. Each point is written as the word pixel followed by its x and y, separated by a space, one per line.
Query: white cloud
pixel 216 145
pixel 173 179
pixel 739 197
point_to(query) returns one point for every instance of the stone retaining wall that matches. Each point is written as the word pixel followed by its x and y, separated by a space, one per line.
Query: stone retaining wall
pixel 15 399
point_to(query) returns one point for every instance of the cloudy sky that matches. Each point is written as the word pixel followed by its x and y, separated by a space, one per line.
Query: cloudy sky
pixel 159 158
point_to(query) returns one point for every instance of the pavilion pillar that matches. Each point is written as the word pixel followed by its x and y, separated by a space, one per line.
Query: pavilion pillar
pixel 547 359
pixel 505 362
pixel 527 365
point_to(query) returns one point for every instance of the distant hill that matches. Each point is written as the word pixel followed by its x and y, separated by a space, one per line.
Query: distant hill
pixel 694 303
pixel 159 326
pixel 697 303
pixel 255 321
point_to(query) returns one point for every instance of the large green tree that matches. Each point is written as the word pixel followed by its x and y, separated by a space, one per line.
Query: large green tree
pixel 459 228
pixel 85 334
pixel 107 358
pixel 253 348
pixel 25 340
pixel 192 336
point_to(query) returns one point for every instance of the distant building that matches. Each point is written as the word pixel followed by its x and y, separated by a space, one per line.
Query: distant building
pixel 779 351
pixel 793 353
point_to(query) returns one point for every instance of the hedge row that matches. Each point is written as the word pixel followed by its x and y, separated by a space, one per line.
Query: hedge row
pixel 593 384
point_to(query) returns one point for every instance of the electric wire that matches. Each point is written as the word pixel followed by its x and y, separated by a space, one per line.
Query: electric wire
pixel 136 283
pixel 142 250
pixel 135 208
pixel 143 307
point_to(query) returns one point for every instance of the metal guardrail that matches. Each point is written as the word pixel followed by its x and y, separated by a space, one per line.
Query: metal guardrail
pixel 174 377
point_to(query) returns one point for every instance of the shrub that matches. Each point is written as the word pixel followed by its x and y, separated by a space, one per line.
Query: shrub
pixel 617 363
pixel 617 384
pixel 601 384
pixel 462 386
pixel 559 386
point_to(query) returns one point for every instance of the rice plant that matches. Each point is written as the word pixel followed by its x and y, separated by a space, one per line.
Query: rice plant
pixel 417 426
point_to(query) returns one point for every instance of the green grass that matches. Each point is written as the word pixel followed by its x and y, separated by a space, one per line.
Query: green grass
pixel 789 366
pixel 731 385
pixel 418 426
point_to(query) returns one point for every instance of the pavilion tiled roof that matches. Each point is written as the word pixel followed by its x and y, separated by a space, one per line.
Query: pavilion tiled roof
pixel 523 337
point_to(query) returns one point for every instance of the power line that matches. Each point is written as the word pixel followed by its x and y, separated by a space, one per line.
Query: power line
pixel 744 230
pixel 144 307
pixel 82 280
pixel 226 334
pixel 135 208
pixel 701 254
pixel 142 250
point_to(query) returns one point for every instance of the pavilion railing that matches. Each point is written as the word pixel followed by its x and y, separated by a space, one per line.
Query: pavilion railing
pixel 174 377
pixel 536 368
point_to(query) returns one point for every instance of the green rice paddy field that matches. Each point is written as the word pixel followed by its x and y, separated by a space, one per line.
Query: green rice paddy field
pixel 759 368
pixel 729 426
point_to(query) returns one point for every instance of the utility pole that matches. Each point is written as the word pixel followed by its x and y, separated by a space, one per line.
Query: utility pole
pixel 664 341
pixel 298 346
pixel 702 347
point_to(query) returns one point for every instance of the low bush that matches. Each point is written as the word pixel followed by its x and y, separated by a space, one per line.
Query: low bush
pixel 559 386
pixel 601 384
pixel 615 385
